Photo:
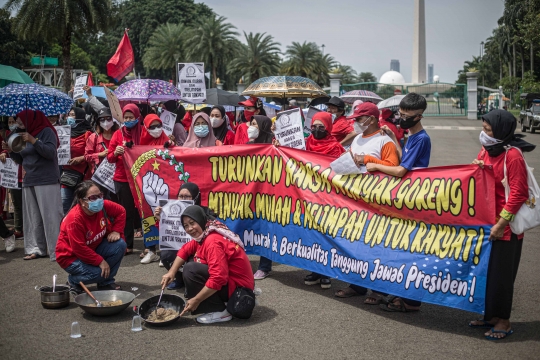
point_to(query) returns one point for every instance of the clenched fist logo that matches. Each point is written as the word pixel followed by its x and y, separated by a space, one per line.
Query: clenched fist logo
pixel 154 189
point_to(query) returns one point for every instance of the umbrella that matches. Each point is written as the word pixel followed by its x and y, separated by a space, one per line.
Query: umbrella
pixel 391 103
pixel 221 97
pixel 364 95
pixel 319 101
pixel 15 98
pixel 9 74
pixel 284 86
pixel 190 107
pixel 147 90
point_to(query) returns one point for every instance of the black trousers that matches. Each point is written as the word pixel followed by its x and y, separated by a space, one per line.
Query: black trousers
pixel 16 195
pixel 167 258
pixel 125 198
pixel 195 277
pixel 4 231
pixel 502 270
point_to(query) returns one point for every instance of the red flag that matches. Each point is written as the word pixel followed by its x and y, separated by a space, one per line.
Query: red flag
pixel 122 61
pixel 90 81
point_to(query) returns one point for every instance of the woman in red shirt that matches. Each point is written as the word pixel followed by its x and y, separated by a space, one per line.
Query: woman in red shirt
pixel 498 132
pixel 252 106
pixel 219 266
pixel 90 246
pixel 98 143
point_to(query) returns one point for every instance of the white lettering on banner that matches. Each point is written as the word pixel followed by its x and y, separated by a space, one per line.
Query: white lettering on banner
pixel 438 282
pixel 64 150
pixel 9 174
pixel 104 175
pixel 191 82
pixel 172 235
pixel 289 129
pixel 78 91
pixel 168 119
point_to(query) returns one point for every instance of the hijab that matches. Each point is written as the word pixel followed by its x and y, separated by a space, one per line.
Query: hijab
pixel 180 114
pixel 194 191
pixel 135 132
pixel 209 225
pixel 221 131
pixel 503 124
pixel 327 145
pixel 81 124
pixel 187 120
pixel 193 141
pixel 146 138
pixel 35 122
pixel 265 133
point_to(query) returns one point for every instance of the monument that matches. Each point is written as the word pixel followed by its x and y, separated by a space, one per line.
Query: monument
pixel 419 43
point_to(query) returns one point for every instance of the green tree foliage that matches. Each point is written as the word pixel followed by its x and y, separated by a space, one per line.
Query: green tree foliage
pixel 165 48
pixel 79 58
pixel 307 60
pixel 349 75
pixel 367 77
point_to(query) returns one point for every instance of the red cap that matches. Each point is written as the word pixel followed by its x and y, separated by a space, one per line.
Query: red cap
pixel 364 109
pixel 251 102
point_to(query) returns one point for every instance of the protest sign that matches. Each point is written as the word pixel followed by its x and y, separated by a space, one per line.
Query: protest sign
pixel 104 175
pixel 289 129
pixel 9 174
pixel 172 235
pixel 307 124
pixel 168 119
pixel 78 91
pixel 64 150
pixel 191 82
pixel 422 237
pixel 114 105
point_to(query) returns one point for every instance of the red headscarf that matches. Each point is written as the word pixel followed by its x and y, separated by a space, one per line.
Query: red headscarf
pixel 328 145
pixel 135 132
pixel 187 120
pixel 146 138
pixel 35 122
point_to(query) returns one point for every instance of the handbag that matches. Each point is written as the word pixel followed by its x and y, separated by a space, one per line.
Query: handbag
pixel 241 303
pixel 71 178
pixel 528 215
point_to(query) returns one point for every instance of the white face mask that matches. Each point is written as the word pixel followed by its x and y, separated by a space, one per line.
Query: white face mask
pixel 106 125
pixel 487 140
pixel 13 127
pixel 253 132
pixel 333 117
pixel 216 122
pixel 155 133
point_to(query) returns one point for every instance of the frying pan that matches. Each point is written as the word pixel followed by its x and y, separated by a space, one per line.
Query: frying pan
pixel 168 301
pixel 84 301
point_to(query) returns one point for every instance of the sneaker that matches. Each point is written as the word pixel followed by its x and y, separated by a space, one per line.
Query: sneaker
pixel 259 275
pixel 326 283
pixel 10 243
pixel 214 317
pixel 161 264
pixel 75 289
pixel 312 279
pixel 149 258
pixel 175 285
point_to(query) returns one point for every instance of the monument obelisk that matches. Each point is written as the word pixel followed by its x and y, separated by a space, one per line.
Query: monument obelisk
pixel 419 43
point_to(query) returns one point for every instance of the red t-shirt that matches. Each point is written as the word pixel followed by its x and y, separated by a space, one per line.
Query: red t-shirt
pixel 227 262
pixel 241 137
pixel 118 140
pixel 229 138
pixel 77 149
pixel 81 234
pixel 517 180
pixel 341 128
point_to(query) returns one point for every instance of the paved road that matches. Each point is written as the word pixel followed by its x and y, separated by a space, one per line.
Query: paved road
pixel 293 321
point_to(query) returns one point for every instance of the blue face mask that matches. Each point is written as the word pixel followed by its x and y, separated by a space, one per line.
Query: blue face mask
pixel 130 124
pixel 95 206
pixel 201 130
pixel 70 121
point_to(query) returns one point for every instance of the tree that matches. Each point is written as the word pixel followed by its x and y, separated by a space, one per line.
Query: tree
pixel 367 77
pixel 259 58
pixel 301 59
pixel 210 41
pixel 165 48
pixel 349 75
pixel 57 21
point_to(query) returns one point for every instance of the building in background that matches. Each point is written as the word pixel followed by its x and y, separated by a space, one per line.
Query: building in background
pixel 430 73
pixel 394 65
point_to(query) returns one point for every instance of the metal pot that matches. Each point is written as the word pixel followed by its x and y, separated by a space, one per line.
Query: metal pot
pixel 54 300
pixel 84 301
pixel 16 143
pixel 168 301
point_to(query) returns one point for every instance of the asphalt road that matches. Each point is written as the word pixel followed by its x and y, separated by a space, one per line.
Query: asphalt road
pixel 292 320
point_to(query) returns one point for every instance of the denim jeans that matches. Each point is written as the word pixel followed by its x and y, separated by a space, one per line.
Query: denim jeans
pixel 265 264
pixel 67 198
pixel 112 253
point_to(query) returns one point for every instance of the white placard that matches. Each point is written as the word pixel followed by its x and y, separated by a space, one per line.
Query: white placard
pixel 9 174
pixel 168 119
pixel 172 235
pixel 289 129
pixel 104 175
pixel 310 113
pixel 64 150
pixel 191 82
pixel 345 165
pixel 78 91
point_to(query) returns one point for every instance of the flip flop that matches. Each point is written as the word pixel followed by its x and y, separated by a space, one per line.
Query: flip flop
pixel 33 256
pixel 346 293
pixel 378 299
pixel 493 331
pixel 391 307
pixel 484 324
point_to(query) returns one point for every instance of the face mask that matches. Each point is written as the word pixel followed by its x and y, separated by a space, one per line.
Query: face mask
pixel 216 122
pixel 130 124
pixel 253 132
pixel 319 133
pixel 333 117
pixel 106 125
pixel 159 110
pixel 95 206
pixel 13 127
pixel 201 130
pixel 248 115
pixel 359 129
pixel 70 121
pixel 487 140
pixel 408 122
pixel 155 133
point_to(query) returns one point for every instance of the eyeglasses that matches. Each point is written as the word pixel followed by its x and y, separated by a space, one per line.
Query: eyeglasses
pixel 105 119
pixel 154 127
pixel 317 127
pixel 94 197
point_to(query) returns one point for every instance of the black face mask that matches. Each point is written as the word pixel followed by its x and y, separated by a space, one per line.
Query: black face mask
pixel 408 122
pixel 319 133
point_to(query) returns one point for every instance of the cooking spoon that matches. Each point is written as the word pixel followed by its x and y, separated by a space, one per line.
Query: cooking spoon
pixel 54 282
pixel 160 295
pixel 98 304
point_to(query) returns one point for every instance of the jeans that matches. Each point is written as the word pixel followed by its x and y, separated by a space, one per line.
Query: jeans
pixel 112 253
pixel 265 264
pixel 67 198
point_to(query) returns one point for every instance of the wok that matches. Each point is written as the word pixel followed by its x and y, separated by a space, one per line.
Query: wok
pixel 168 301
pixel 84 301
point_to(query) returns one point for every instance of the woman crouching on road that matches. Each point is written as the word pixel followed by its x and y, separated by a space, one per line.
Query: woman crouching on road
pixel 90 246
pixel 215 266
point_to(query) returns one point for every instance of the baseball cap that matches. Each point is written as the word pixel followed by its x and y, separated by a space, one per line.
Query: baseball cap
pixel 104 112
pixel 251 102
pixel 365 109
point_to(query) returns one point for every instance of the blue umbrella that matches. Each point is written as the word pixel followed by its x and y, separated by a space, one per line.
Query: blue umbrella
pixel 15 98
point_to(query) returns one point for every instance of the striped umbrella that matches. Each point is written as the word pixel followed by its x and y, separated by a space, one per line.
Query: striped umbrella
pixel 364 95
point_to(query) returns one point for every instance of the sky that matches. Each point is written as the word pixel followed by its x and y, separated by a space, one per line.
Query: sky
pixel 368 34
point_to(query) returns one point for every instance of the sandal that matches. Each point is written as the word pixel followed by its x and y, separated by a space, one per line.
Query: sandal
pixel 138 233
pixel 33 256
pixel 113 286
pixel 493 331
pixel 128 252
pixel 392 307
pixel 374 299
pixel 346 293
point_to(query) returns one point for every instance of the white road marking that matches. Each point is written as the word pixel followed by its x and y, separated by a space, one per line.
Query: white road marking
pixel 437 127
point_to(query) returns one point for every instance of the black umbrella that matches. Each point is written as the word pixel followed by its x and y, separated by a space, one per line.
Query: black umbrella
pixel 319 101
pixel 221 97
